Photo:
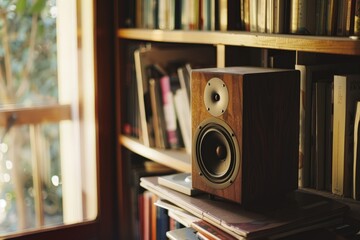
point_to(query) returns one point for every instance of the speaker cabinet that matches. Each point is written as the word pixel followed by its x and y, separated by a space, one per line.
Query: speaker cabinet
pixel 245 132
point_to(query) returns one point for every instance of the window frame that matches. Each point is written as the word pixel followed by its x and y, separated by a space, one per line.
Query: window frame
pixel 105 224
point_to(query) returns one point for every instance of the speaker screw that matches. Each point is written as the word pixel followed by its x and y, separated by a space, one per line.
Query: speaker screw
pixel 209 84
pixel 231 181
pixel 232 134
pixel 222 111
pixel 208 109
pixel 200 173
pixel 223 85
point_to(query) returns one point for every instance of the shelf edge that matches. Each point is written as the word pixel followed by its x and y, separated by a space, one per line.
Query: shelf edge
pixel 176 159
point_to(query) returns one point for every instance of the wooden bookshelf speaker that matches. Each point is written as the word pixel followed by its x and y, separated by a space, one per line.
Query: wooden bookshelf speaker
pixel 245 132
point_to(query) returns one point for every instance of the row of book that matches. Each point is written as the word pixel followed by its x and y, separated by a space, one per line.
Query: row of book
pixel 159 91
pixel 322 17
pixel 147 221
pixel 328 131
pixel 176 14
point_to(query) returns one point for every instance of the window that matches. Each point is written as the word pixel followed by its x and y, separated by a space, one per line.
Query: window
pixel 47 119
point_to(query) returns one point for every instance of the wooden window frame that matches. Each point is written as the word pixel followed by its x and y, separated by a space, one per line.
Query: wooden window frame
pixel 105 224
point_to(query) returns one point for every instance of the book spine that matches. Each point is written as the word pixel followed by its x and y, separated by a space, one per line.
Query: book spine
pixel 169 112
pixel 247 15
pixel 156 115
pixel 357 18
pixel 341 18
pixel 302 20
pixel 261 15
pixel 338 135
pixel 356 163
pixel 294 15
pixel 144 135
pixel 346 93
pixel 331 18
pixel 253 8
pixel 223 13
pixel 304 146
pixel 162 223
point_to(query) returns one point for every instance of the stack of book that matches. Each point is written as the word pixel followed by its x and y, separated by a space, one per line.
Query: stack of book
pixel 219 219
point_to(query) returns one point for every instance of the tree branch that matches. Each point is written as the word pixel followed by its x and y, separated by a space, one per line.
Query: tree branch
pixel 4 97
pixel 29 63
pixel 7 57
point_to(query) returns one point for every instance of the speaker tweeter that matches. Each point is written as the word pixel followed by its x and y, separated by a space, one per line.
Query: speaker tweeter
pixel 216 97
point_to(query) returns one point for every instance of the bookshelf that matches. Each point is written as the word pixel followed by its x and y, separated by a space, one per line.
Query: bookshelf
pixel 232 47
pixel 314 44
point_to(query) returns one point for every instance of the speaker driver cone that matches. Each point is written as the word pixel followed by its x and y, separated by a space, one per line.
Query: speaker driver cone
pixel 216 97
pixel 216 153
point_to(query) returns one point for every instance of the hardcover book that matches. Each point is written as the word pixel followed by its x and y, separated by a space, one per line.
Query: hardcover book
pixel 346 94
pixel 356 163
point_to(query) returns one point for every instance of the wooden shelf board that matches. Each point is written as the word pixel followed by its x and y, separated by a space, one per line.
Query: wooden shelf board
pixel 319 44
pixel 354 205
pixel 176 159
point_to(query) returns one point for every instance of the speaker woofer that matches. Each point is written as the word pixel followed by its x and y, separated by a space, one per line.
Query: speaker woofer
pixel 216 153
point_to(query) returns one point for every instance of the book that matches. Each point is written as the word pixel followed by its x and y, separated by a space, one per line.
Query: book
pixel 261 15
pixel 187 233
pixel 280 15
pixel 346 93
pixel 207 17
pixel 253 19
pixel 309 74
pixel 357 18
pixel 162 222
pixel 147 56
pixel 180 182
pixel 158 114
pixel 320 17
pixel 331 13
pixel 209 231
pixel 180 215
pixel 298 211
pixel 182 109
pixel 345 19
pixel 356 161
pixel 277 16
pixel 245 15
pixel 169 112
pixel 302 17
pixel 320 133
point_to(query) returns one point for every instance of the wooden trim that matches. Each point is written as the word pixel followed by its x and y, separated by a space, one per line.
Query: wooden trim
pixel 35 115
pixel 84 230
pixel 317 44
pixel 176 159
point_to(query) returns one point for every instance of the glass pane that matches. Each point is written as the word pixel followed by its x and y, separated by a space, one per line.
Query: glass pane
pixel 47 126
pixel 28 53
pixel 30 178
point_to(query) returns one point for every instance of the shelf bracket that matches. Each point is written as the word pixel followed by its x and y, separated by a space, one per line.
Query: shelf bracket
pixel 220 55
